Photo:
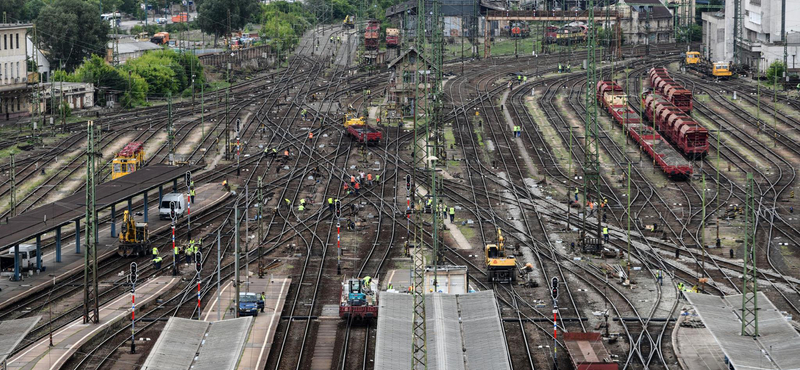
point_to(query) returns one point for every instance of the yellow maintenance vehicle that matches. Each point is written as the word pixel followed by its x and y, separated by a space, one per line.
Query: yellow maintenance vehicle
pixel 134 240
pixel 352 119
pixel 692 58
pixel 349 22
pixel 501 267
pixel 720 70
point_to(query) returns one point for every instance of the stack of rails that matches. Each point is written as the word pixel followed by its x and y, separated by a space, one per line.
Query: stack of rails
pixel 615 102
pixel 679 128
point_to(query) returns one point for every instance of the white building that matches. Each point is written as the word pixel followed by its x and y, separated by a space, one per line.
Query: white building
pixel 761 32
pixel 13 71
pixel 44 64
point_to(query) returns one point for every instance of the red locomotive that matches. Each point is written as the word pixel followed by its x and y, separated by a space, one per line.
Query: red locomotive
pixel 663 84
pixel 679 128
pixel 615 102
pixel 372 35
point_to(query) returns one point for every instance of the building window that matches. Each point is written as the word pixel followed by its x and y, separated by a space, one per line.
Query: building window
pixel 5 42
pixel 18 41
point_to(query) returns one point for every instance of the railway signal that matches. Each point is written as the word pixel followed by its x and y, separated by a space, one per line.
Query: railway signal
pixel 188 177
pixel 132 278
pixel 337 206
pixel 198 265
pixel 408 182
pixel 554 288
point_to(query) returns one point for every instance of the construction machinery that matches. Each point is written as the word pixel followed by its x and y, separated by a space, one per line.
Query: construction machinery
pixel 502 267
pixel 161 38
pixel 349 22
pixel 134 240
pixel 692 58
pixel 359 298
pixel 694 61
pixel 352 119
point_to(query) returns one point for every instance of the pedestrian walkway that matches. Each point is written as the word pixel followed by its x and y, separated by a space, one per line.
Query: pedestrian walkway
pixel 208 195
pixel 67 340
pixel 262 333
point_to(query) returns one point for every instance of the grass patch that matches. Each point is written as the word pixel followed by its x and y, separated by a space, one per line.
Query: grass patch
pixel 467 231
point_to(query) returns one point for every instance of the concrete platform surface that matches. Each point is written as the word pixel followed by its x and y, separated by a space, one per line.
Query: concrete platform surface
pixel 262 333
pixel 67 340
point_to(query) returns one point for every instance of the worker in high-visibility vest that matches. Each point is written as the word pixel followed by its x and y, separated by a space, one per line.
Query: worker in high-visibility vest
pixel 187 254
pixel 155 252
pixel 330 204
pixel 157 262
pixel 192 194
pixel 576 193
pixel 452 214
pixel 605 234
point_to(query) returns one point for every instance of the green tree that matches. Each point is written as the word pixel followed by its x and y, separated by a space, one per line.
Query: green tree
pixel 775 71
pixel 13 10
pixel 159 72
pixel 213 15
pixel 71 30
pixel 31 9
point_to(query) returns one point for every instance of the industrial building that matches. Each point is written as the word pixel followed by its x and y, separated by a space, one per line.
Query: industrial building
pixel 13 71
pixel 762 33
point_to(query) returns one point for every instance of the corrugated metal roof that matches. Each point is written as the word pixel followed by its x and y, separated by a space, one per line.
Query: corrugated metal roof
pixel 776 347
pixel 463 332
pixel 12 332
pixel 215 345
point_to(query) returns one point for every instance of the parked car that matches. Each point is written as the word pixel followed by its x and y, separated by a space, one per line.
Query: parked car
pixel 248 304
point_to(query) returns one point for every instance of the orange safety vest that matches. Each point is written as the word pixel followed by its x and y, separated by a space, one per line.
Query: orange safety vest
pixel 352 179
pixel 591 205
pixel 310 135
pixel 369 176
pixel 286 153
pixel 345 187
pixel 357 187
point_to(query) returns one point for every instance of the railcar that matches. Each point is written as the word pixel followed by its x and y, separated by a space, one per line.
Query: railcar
pixel 129 159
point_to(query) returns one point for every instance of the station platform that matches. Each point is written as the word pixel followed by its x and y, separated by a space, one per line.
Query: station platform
pixel 207 196
pixel 247 346
pixel 67 340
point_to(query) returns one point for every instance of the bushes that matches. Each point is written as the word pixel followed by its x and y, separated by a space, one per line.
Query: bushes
pixel 154 74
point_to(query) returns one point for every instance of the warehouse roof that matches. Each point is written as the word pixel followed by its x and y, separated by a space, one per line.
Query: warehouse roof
pixel 776 347
pixel 451 319
pixel 12 332
pixel 191 344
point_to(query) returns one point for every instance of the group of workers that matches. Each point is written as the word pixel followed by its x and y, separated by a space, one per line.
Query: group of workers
pixel 561 69
pixel 442 208
pixel 356 182
pixel 189 252
pixel 517 131
pixel 338 39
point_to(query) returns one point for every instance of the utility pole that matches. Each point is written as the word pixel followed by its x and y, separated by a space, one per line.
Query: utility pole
pixel 591 162
pixel 227 111
pixel 115 51
pixel 737 32
pixel 13 186
pixel 701 274
pixel 236 253
pixel 260 228
pixel 36 114
pixel 170 135
pixel 91 310
pixel 750 276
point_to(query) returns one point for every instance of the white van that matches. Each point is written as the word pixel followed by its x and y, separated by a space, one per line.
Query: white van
pixel 180 205
pixel 27 259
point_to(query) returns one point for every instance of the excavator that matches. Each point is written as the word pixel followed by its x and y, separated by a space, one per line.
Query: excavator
pixel 502 267
pixel 134 239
